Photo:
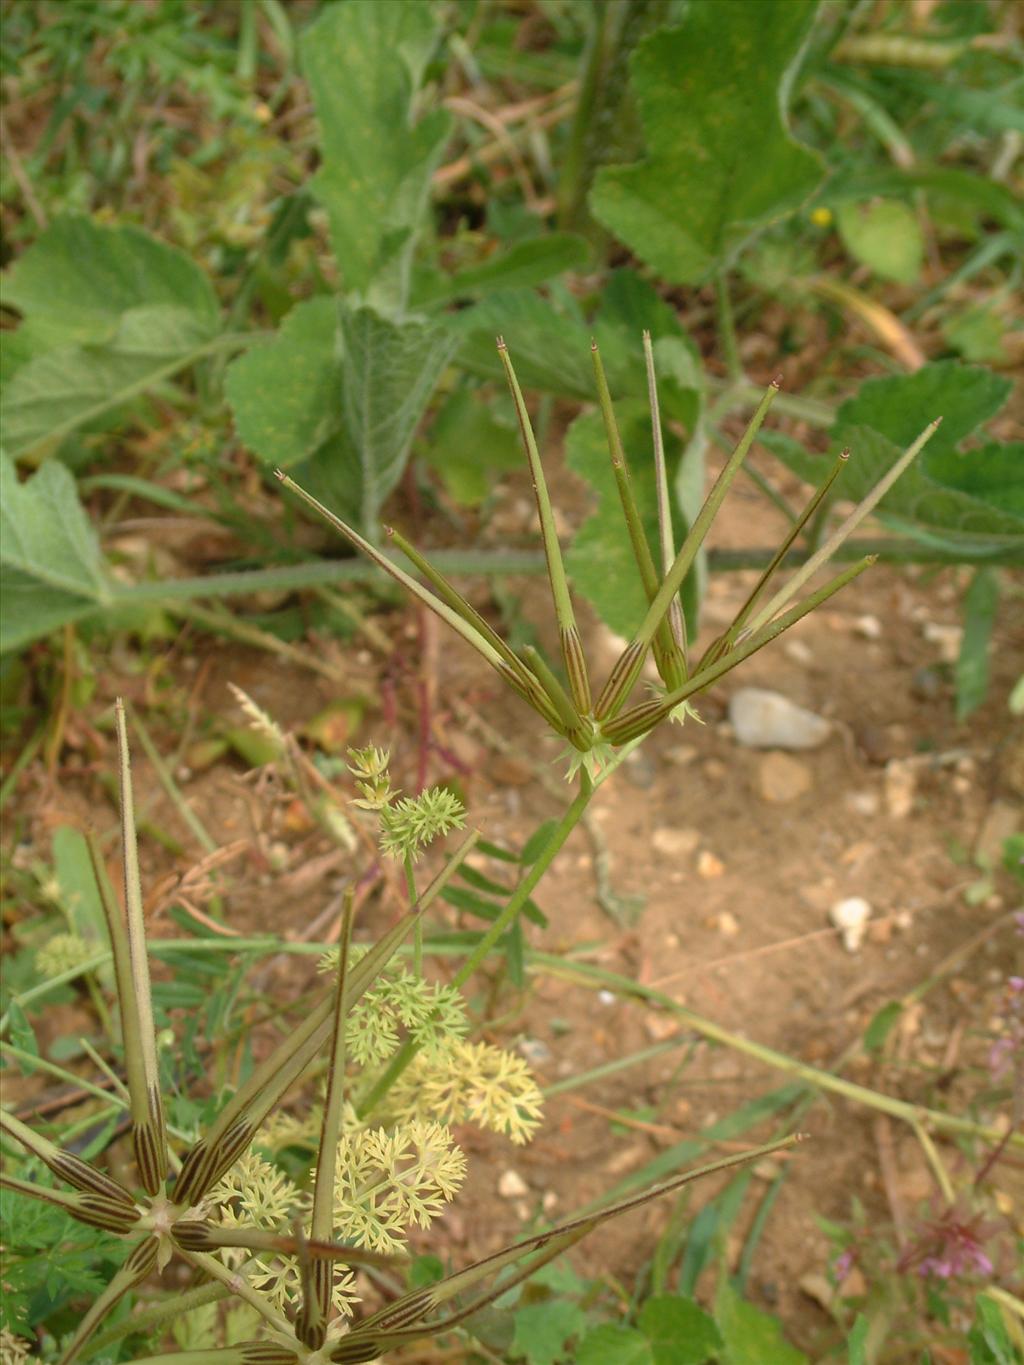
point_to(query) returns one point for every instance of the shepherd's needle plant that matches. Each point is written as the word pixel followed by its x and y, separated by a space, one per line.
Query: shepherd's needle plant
pixel 381 1167
pixel 401 1068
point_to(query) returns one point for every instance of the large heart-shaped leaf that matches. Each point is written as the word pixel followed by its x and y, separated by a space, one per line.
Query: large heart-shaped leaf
pixel 721 164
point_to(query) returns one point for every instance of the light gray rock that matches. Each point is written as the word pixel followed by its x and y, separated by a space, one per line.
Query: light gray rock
pixel 768 720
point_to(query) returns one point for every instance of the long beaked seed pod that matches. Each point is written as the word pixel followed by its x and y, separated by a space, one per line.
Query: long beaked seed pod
pixel 575 667
pixel 621 680
pixel 667 653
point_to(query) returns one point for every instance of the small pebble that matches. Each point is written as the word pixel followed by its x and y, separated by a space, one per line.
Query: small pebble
pixel 926 684
pixel 728 924
pixel 535 1050
pixel 709 866
pixel 681 754
pixel 900 788
pixel 606 997
pixel 768 720
pixel 511 1185
pixel 781 779
pixel 862 803
pixel 948 639
pixel 675 843
pixel 799 651
pixel 850 917
pixel 868 627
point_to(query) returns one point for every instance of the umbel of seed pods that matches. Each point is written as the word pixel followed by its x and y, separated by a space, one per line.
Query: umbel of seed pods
pixel 593 726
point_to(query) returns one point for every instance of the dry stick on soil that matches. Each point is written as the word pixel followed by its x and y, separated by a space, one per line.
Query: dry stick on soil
pixel 934 1119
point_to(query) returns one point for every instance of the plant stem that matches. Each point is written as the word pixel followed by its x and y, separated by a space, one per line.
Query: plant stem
pixel 160 1313
pixel 516 901
pixel 727 328
pixel 912 1114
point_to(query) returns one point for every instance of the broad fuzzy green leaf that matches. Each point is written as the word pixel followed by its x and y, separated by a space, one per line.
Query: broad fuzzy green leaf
pixel 750 1336
pixel 364 62
pixel 885 236
pixel 601 562
pixel 680 1333
pixel 389 374
pixel 62 389
pixel 76 281
pixel 50 560
pixel 550 342
pixel 544 1329
pixel 721 163
pixel 898 406
pixel 614 1343
pixel 286 395
pixel 523 265
pixel 336 397
pixel 469 446
pixel 970 500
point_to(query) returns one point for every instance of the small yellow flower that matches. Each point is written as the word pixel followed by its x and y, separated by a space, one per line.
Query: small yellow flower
pixel 821 216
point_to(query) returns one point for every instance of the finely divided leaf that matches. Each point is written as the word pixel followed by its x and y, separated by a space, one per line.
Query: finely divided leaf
pixel 721 164
pixel 364 62
pixel 50 560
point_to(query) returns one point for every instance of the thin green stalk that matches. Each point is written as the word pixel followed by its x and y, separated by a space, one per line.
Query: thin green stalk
pixel 666 533
pixel 205 840
pixel 154 1316
pixel 779 1061
pixel 53 983
pixel 318 1279
pixel 409 1048
pixel 417 931
pixel 727 328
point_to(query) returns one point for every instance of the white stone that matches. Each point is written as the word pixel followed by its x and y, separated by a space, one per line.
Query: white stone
pixel 868 627
pixel 850 917
pixel 768 720
pixel 511 1185
pixel 675 843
